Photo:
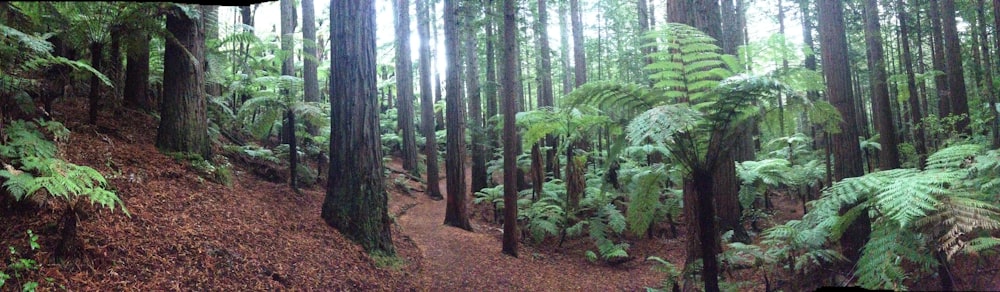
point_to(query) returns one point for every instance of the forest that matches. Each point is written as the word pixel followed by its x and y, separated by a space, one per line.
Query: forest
pixel 482 145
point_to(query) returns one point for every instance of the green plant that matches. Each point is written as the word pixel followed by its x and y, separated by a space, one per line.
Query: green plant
pixel 918 216
pixel 18 265
pixel 672 274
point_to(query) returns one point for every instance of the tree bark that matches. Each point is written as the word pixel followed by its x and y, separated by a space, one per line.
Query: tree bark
pixel 956 76
pixel 846 149
pixel 544 73
pixel 937 56
pixel 916 114
pixel 96 57
pixel 404 86
pixel 491 87
pixel 310 60
pixel 511 92
pixel 183 120
pixel 427 100
pixel 356 203
pixel 473 92
pixel 882 107
pixel 137 73
pixel 457 210
pixel 580 59
pixel 288 69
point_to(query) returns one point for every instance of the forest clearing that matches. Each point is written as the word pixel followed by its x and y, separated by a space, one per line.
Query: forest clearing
pixel 378 145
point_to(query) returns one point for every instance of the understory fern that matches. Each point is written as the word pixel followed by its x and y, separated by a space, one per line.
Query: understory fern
pixel 34 165
pixel 915 214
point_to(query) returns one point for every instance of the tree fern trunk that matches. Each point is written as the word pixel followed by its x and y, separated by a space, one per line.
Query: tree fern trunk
pixel 96 56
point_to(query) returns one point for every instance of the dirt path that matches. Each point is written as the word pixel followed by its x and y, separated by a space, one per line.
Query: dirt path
pixel 458 260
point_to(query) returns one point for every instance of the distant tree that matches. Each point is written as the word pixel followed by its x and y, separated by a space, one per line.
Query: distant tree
pixel 356 202
pixel 183 117
pixel 937 57
pixel 511 94
pixel 404 86
pixel 846 148
pixel 457 210
pixel 959 104
pixel 288 69
pixel 916 114
pixel 427 100
pixel 471 13
pixel 881 105
pixel 310 61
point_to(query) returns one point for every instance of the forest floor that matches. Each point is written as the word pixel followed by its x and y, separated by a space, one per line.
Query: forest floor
pixel 188 233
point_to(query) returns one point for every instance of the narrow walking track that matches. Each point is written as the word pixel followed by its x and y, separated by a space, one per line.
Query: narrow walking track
pixel 458 260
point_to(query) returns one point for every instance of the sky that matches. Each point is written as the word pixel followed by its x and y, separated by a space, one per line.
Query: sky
pixel 760 22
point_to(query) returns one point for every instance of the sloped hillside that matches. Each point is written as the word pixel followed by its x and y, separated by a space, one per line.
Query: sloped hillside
pixel 185 232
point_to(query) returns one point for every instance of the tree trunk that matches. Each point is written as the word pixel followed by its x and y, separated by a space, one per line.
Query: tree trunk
pixel 882 107
pixel 457 210
pixel 310 59
pixel 953 59
pixel 137 74
pixel 427 100
pixel 404 86
pixel 96 56
pixel 356 202
pixel 937 55
pixel 288 69
pixel 544 74
pixel 183 117
pixel 511 91
pixel 580 60
pixel 846 149
pixel 988 78
pixel 491 86
pixel 567 77
pixel 708 236
pixel 911 84
pixel 473 92
pixel 115 65
pixel 293 151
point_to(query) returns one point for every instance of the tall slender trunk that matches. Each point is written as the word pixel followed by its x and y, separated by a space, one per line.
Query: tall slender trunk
pixel 96 57
pixel 846 151
pixel 426 100
pixel 492 104
pixel 137 73
pixel 544 73
pixel 915 109
pixel 511 92
pixel 882 108
pixel 404 85
pixel 937 56
pixel 457 209
pixel 953 59
pixel 473 92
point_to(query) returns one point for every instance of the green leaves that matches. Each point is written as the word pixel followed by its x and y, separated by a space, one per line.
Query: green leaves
pixel 37 168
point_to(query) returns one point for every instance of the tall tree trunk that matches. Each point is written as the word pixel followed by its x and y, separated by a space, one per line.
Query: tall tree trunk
pixel 937 56
pixel 183 117
pixel 580 60
pixel 404 86
pixel 356 202
pixel 953 59
pixel 288 68
pixel 457 210
pixel 846 149
pixel 492 105
pixel 96 57
pixel 567 77
pixel 137 73
pixel 544 74
pixel 726 182
pixel 427 100
pixel 473 92
pixel 889 155
pixel 511 92
pixel 310 59
pixel 915 109
pixel 115 66
pixel 995 124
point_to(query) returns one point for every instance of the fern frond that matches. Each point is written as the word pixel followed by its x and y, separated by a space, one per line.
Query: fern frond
pixel 953 157
pixel 659 124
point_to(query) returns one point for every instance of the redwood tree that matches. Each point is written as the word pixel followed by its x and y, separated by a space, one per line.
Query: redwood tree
pixel 457 210
pixel 511 92
pixel 183 119
pixel 427 100
pixel 473 91
pixel 356 202
pixel 404 86
pixel 881 104
pixel 846 148
pixel 959 104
